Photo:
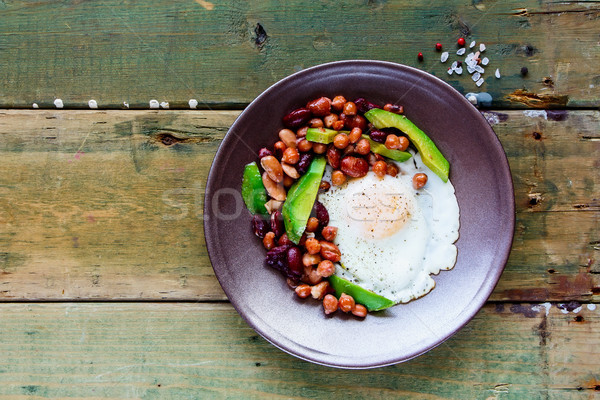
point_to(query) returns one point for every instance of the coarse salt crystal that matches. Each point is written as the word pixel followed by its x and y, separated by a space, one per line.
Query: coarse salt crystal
pixel 480 82
pixel 164 104
pixel 482 47
pixel 35 105
pixel 470 69
pixel 472 99
pixel 461 51
pixel 58 103
pixel 93 104
pixel 476 76
pixel 497 74
pixel 193 103
pixel 444 56
pixel 479 69
pixel 154 103
pixel 458 70
pixel 485 61
pixel 454 65
pixel 450 70
pixel 472 44
pixel 126 104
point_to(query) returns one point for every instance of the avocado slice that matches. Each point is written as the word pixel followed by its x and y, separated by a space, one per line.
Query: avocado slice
pixel 253 190
pixel 322 135
pixel 371 300
pixel 301 198
pixel 379 148
pixel 430 154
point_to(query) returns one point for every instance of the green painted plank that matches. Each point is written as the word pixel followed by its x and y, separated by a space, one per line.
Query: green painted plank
pixel 225 53
pixel 174 351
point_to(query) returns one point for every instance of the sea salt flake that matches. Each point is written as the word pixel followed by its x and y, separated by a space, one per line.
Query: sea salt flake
pixel 35 105
pixel 58 103
pixel 476 76
pixel 497 74
pixel 482 47
pixel 93 104
pixel 164 104
pixel 458 70
pixel 126 104
pixel 454 65
pixel 479 69
pixel 193 103
pixel 444 56
pixel 154 103
pixel 470 69
pixel 450 70
pixel 472 44
pixel 461 51
pixel 485 61
pixel 480 82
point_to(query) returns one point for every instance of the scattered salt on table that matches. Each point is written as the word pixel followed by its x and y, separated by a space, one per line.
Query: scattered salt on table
pixel 461 51
pixel 497 74
pixel 444 56
pixel 479 82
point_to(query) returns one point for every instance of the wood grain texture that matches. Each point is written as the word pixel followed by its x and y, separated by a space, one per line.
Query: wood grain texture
pixel 225 53
pixel 108 204
pixel 174 351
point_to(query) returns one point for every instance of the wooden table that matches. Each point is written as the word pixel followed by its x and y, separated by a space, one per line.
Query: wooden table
pixel 106 288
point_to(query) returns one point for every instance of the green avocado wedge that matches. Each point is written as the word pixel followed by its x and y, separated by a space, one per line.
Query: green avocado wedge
pixel 321 135
pixel 430 154
pixel 379 148
pixel 371 300
pixel 301 198
pixel 253 190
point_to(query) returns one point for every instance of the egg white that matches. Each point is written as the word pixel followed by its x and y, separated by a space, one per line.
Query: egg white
pixel 393 237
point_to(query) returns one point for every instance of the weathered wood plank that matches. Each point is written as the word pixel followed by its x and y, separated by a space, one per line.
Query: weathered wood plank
pixel 108 205
pixel 159 351
pixel 225 53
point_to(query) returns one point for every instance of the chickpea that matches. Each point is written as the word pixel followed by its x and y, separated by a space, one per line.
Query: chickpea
pixel 279 148
pixel 329 233
pixel 380 168
pixel 392 141
pixel 326 268
pixel 346 303
pixel 319 290
pixel 319 148
pixel 419 180
pixel 313 246
pixel 304 146
pixel 338 125
pixel 360 310
pixel 290 156
pixel 338 178
pixel 312 276
pixel 330 304
pixel 303 291
pixel 329 120
pixel 310 259
pixel 269 240
pixel 316 123
pixel 341 141
pixel 350 108
pixel 392 169
pixel 330 251
pixel 355 135
pixel 403 143
pixel 363 147
pixel 338 103
pixel 312 225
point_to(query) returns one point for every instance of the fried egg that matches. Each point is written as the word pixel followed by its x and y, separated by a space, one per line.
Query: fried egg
pixel 392 237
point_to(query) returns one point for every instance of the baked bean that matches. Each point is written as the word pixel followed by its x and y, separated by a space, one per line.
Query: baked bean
pixel 403 143
pixel 338 178
pixel 319 148
pixel 333 157
pixel 341 141
pixel 279 147
pixel 338 103
pixel 354 135
pixel 329 233
pixel 326 268
pixel 324 186
pixel 274 189
pixel 354 166
pixel 392 142
pixel 310 259
pixel 269 240
pixel 312 246
pixel 350 108
pixel 300 133
pixel 380 168
pixel 329 120
pixel 288 137
pixel 346 303
pixel 319 290
pixel 303 291
pixel 359 310
pixel 363 147
pixel 290 155
pixel 392 169
pixel 304 145
pixel 330 304
pixel 312 225
pixel 330 251
pixel 419 180
pixel 320 107
pixel 316 123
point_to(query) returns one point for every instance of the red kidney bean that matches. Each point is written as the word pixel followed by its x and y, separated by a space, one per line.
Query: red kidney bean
pixel 297 118
pixel 364 105
pixel 304 163
pixel 354 166
pixel 333 157
pixel 277 258
pixel 320 107
pixel 378 135
pixel 321 213
pixel 259 226
pixel 277 223
pixel 264 152
pixel 294 261
pixel 284 239
pixel 357 121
